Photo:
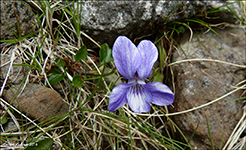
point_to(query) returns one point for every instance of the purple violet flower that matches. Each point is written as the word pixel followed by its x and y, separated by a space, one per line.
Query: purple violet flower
pixel 135 64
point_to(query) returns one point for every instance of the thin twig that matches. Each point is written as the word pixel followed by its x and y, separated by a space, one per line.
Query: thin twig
pixel 204 59
pixel 8 73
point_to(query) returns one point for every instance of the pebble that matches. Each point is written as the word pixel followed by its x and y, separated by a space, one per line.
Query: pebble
pixel 36 101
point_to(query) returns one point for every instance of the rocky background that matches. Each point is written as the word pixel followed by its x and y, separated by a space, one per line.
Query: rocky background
pixel 25 18
pixel 200 82
pixel 106 20
pixel 196 83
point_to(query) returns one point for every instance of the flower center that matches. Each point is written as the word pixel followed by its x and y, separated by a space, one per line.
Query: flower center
pixel 136 76
pixel 136 81
pixel 136 88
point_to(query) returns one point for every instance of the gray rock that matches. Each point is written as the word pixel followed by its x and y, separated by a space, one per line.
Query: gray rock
pixel 105 20
pixel 25 17
pixel 194 87
pixel 17 73
pixel 10 126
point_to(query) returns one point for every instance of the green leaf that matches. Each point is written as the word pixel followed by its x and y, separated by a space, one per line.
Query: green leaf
pixel 56 76
pixel 200 22
pixel 3 120
pixel 210 135
pixel 221 142
pixel 166 19
pixel 105 54
pixel 193 132
pixel 12 41
pixel 60 62
pixel 81 54
pixel 77 80
pixel 236 14
pixel 9 41
pixel 158 77
pixel 161 37
pixel 181 29
pixel 44 144
pixel 237 99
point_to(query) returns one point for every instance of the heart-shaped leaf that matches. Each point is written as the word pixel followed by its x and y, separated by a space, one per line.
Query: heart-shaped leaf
pixel 81 54
pixel 105 54
pixel 44 144
pixel 3 119
pixel 56 76
pixel 60 62
pixel 77 80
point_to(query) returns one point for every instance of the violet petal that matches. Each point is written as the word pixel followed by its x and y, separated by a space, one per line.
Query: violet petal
pixel 118 96
pixel 149 55
pixel 138 98
pixel 126 57
pixel 161 94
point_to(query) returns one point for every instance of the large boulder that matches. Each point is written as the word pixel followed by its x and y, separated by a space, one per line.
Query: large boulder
pixel 105 20
pixel 200 82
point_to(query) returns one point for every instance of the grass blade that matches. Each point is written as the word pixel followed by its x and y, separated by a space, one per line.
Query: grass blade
pixel 210 135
